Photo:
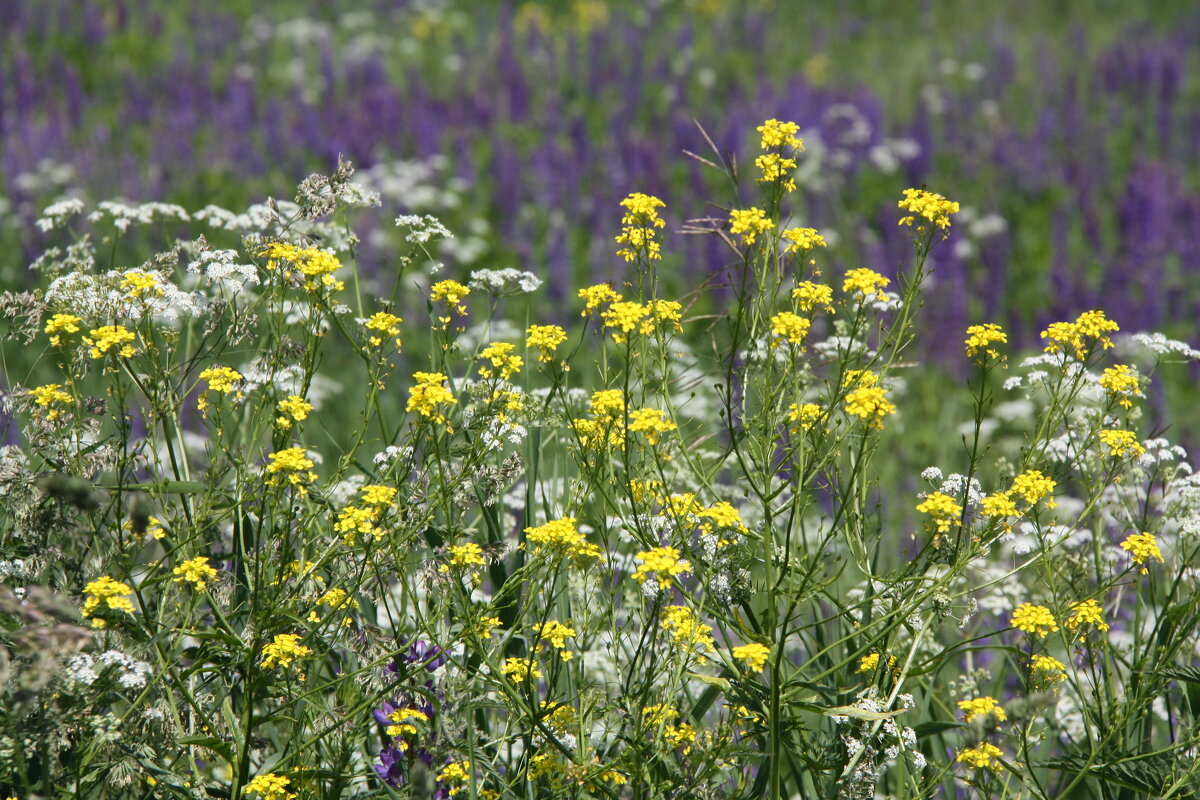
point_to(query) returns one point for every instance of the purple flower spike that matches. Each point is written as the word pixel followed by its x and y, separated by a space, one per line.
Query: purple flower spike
pixel 390 768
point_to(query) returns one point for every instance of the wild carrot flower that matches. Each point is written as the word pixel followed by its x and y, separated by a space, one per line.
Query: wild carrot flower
pixel 521 669
pixel 293 466
pixel 870 404
pixel 293 408
pixel 1121 443
pixel 270 786
pixel 284 649
pixel 595 296
pixel 196 571
pixel 1033 619
pixel 789 327
pixel 428 395
pixel 1121 382
pixel 59 324
pixel 983 756
pixel 867 282
pixel 106 337
pixel 749 223
pixel 1142 547
pixel 501 360
pixel 754 655
pixel 943 508
pixel 48 397
pixel 931 206
pixel 982 338
pixel 813 295
pixel 546 338
pixel 981 707
pixel 1088 613
pixel 105 594
pixel 640 220
pixel 651 423
pixel 659 566
pixel 383 324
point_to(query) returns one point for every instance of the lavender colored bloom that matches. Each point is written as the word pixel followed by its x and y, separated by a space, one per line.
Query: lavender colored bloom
pixel 391 766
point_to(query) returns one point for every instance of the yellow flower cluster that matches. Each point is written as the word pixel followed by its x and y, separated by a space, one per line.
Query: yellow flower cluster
pixel 754 655
pixel 196 571
pixel 452 293
pixel 1121 443
pixel 803 415
pixel 640 220
pixel 270 786
pixel 776 168
pixel 383 324
pixel 455 776
pixel 1143 547
pixel 48 396
pixel 293 466
pixel 59 324
pixel 1033 619
pixel 625 317
pixel 546 338
pixel 870 404
pixel 789 327
pixel 105 594
pixel 944 509
pixel 219 379
pixel 749 223
pixel 1088 325
pixel 981 707
pixel 153 529
pixel 106 337
pixel 562 538
pixel 651 423
pixel 867 282
pixel 1089 613
pixel 595 296
pixel 462 556
pixel 429 394
pixel 402 723
pixel 293 408
pixel 661 563
pixel 780 134
pixel 137 284
pixel 1122 382
pixel 983 756
pixel 501 361
pixel 981 339
pixel 557 633
pixel 801 240
pixel 931 206
pixel 813 295
pixel 1047 670
pixel 282 650
pixel 999 504
pixel 521 669
pixel 355 520
pixel 313 266
pixel 1033 486
pixel 686 629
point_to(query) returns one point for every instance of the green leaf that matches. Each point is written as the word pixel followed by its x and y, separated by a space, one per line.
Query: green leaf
pixel 218 746
pixel 1187 674
pixel 933 728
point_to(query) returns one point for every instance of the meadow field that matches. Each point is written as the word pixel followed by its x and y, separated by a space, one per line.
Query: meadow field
pixel 584 399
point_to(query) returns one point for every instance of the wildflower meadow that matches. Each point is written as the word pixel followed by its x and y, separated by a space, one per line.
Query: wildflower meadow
pixel 299 500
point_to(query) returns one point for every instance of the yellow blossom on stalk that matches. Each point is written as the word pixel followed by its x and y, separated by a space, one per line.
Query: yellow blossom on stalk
pixel 780 134
pixel 455 776
pixel 804 415
pixel 106 337
pixel 682 736
pixel 801 240
pixel 1033 486
pixel 983 756
pixel 153 529
pixel 595 296
pixel 1090 324
pixel 59 324
pixel 382 324
pixel 686 629
pixel 661 564
pixel 943 508
pixel 813 295
pixel 790 327
pixel 521 669
pixel 640 220
pixel 666 313
pixel 314 266
pixel 981 707
pixel 501 360
pixel 292 465
pixel 270 786
pixel 561 537
pixel 546 338
pixel 293 408
pixel 484 626
pixel 1121 381
pixel 1088 613
pixel 999 504
pixel 725 515
pixel 1033 619
pixel 219 379
pixel 867 282
pixel 48 396
pixel 375 495
pixel 1143 547
pixel 1121 443
pixel 775 167
pixel 465 555
pixel 624 316
pixel 931 206
pixel 869 404
pixel 859 379
pixel 402 723
pixel 106 594
pixel 753 654
pixel 428 394
pixel 336 598
pixel 451 293
pixel 353 520
pixel 1047 670
pixel 658 714
pixel 749 223
pixel 651 423
pixel 556 633
pixel 282 650
pixel 196 571
pixel 868 662
pixel 981 338
pixel 608 402
pixel 138 284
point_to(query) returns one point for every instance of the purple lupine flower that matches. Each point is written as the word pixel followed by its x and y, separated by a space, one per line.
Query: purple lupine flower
pixel 391 766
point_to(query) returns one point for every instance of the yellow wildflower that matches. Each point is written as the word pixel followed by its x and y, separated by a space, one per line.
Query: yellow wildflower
pixel 813 295
pixel 383 324
pixel 982 707
pixel 196 571
pixel 651 423
pixel 944 509
pixel 282 650
pixel 596 296
pixel 59 324
pixel 1121 443
pixel 428 394
pixel 789 327
pixel 292 465
pixel 660 564
pixel 105 594
pixel 801 240
pixel 546 338
pixel 686 629
pixel 501 361
pixel 869 404
pixel 106 337
pixel 982 756
pixel 1087 613
pixel 981 338
pixel 1033 619
pixel 780 134
pixel 754 655
pixel 867 282
pixel 929 205
pixel 749 223
pixel 270 786
pixel 640 220
pixel 1142 547
pixel 293 408
pixel 521 669
pixel 48 396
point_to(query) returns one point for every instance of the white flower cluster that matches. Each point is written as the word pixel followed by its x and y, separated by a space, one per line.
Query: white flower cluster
pixel 85 670
pixel 1156 344
pixel 57 214
pixel 124 216
pixel 222 268
pixel 423 228
pixel 504 281
pixel 101 297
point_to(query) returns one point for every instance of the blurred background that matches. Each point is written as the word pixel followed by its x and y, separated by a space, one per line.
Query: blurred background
pixel 1069 131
